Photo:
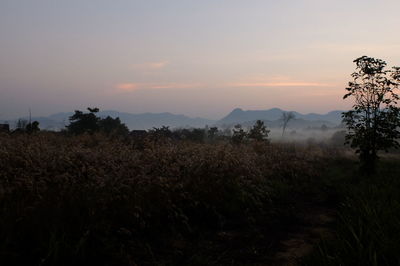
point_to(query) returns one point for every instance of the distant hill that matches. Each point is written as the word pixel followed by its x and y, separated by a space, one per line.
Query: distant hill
pixel 296 123
pixel 150 120
pixel 133 121
pixel 273 116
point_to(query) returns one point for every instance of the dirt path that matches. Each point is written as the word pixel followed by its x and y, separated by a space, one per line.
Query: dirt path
pixel 317 225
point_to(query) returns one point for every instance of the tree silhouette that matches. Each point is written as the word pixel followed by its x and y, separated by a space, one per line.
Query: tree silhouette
pixel 212 133
pixel 373 123
pixel 111 125
pixel 286 117
pixel 32 127
pixel 259 131
pixel 84 122
pixel 89 123
pixel 239 135
pixel 194 134
pixel 162 132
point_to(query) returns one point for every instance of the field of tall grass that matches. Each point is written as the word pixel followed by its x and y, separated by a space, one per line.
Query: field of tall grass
pixel 367 230
pixel 97 200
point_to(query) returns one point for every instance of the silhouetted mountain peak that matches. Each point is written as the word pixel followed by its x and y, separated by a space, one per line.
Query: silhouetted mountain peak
pixel 239 115
pixel 237 110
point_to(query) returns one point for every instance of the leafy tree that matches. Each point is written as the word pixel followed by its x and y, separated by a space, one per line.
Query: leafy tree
pixel 84 122
pixel 239 135
pixel 259 131
pixel 90 123
pixel 373 123
pixel 111 125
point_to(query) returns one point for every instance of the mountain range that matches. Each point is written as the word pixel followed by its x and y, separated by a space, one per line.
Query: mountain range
pixel 239 116
pixel 272 117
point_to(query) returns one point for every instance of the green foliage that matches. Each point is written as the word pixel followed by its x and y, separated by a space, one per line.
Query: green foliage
pixel 374 122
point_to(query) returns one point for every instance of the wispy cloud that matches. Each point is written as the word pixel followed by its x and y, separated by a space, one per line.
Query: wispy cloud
pixel 148 66
pixel 281 84
pixel 175 86
pixel 131 87
pixel 126 87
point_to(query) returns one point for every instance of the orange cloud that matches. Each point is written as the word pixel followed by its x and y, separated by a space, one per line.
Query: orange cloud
pixel 158 65
pixel 175 86
pixel 150 65
pixel 127 87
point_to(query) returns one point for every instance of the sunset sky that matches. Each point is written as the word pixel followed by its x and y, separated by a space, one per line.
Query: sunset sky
pixel 194 57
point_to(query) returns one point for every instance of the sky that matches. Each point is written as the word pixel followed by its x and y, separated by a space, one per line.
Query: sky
pixel 201 58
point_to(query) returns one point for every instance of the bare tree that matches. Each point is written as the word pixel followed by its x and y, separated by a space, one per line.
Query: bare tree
pixel 286 117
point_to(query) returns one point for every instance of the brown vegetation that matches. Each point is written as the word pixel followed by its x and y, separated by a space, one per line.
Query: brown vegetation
pixel 94 199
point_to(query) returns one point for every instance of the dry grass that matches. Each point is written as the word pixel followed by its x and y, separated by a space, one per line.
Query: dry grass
pixel 92 199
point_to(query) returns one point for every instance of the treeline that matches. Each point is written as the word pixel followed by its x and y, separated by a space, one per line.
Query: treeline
pixel 21 126
pixel 81 123
pixel 91 123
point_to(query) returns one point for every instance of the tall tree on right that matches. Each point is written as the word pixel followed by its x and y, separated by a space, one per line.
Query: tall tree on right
pixel 374 121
